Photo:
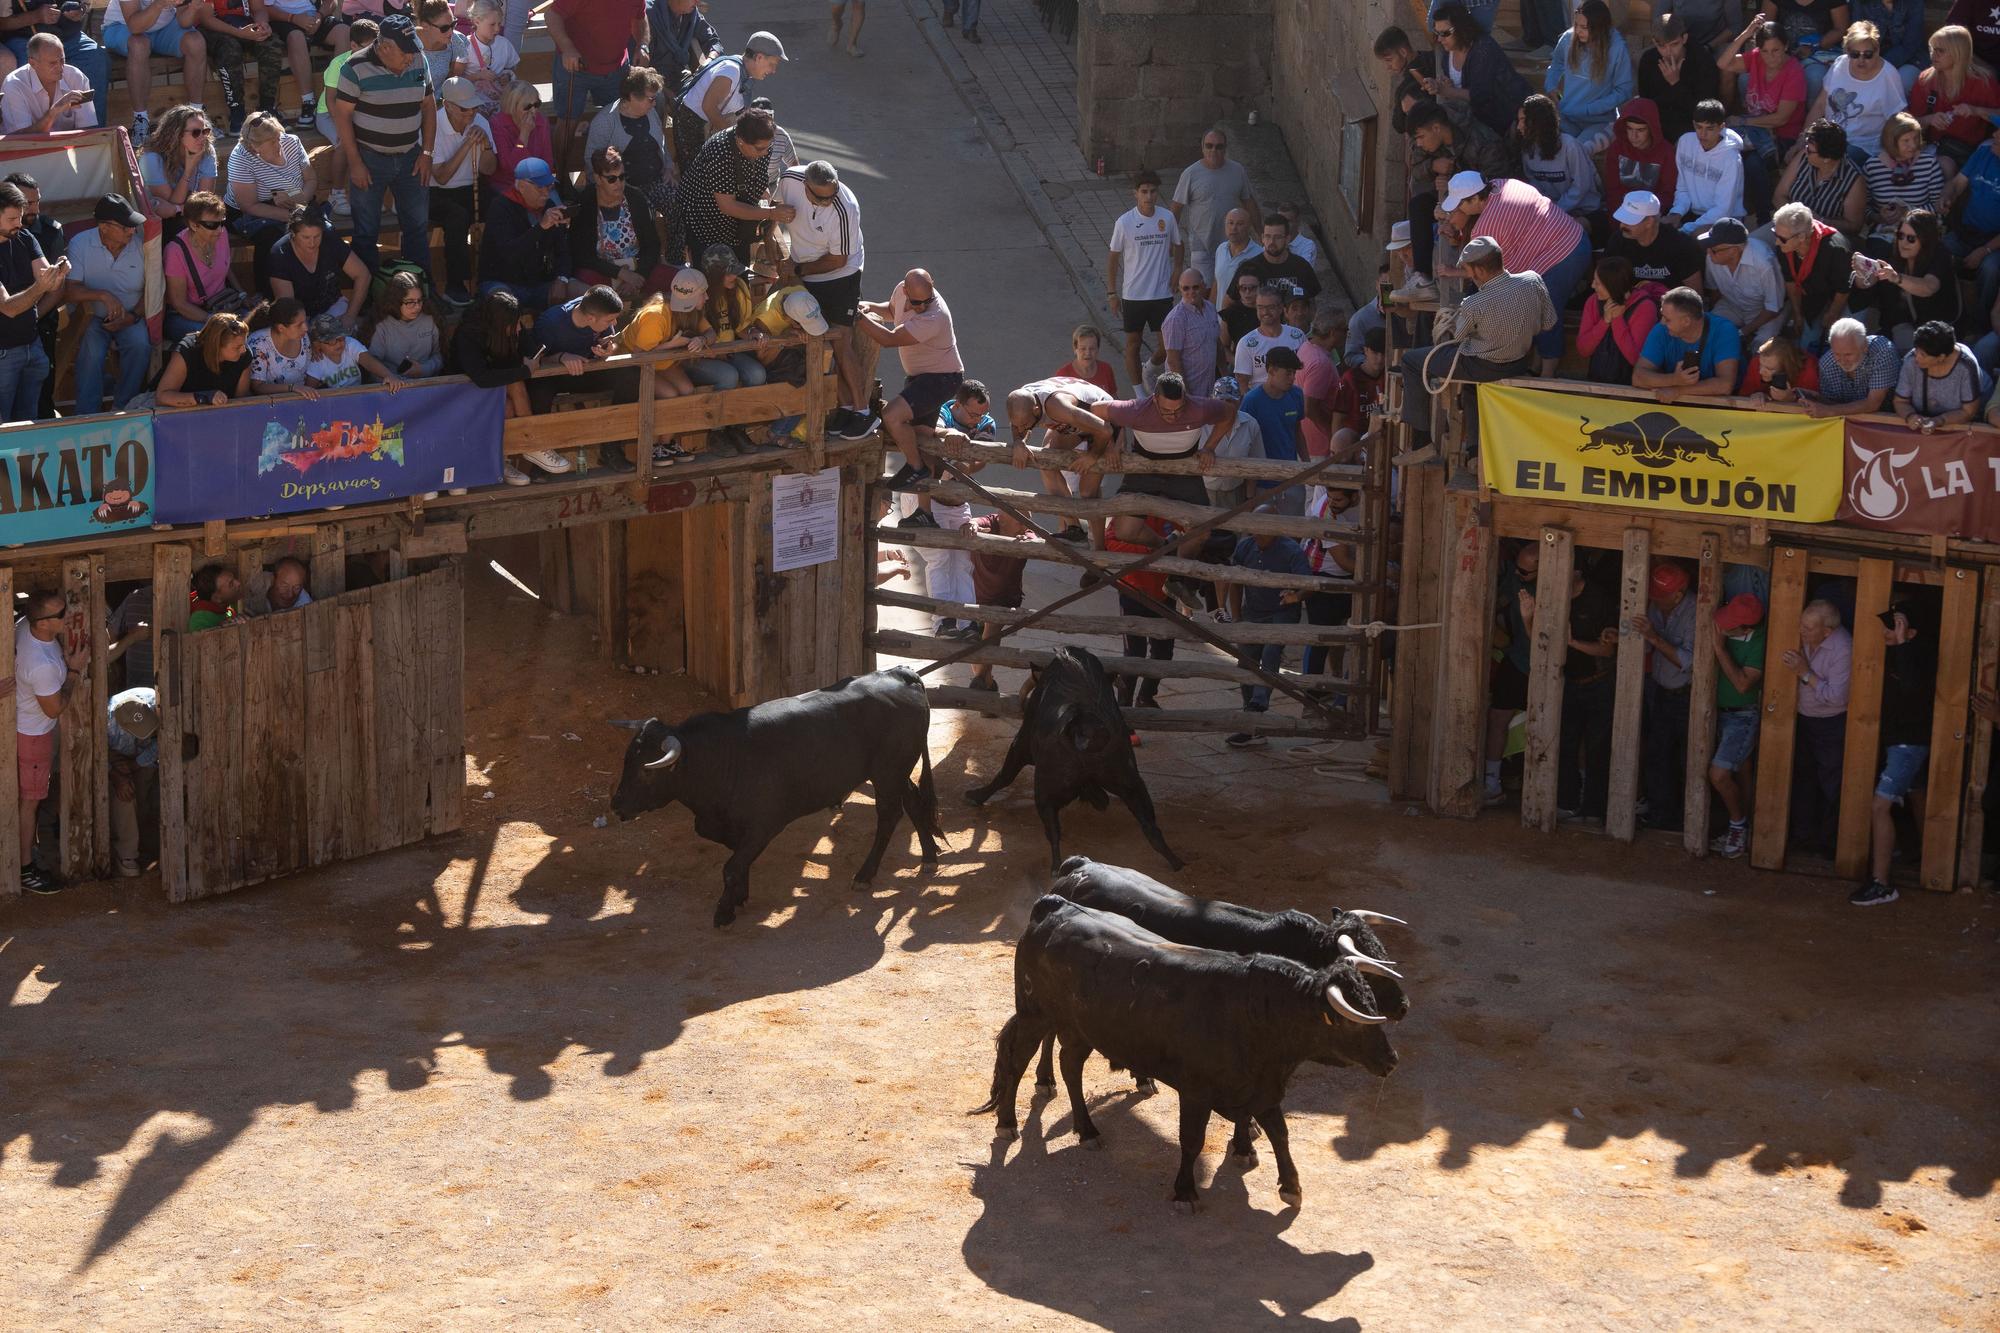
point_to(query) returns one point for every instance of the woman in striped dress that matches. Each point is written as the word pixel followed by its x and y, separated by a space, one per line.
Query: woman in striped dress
pixel 1906 175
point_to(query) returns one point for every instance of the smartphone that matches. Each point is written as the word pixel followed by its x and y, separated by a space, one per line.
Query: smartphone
pixel 1691 359
pixel 1781 381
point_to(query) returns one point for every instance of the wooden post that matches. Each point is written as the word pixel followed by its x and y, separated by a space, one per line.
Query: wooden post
pixel 329 562
pixel 85 785
pixel 1979 752
pixel 1864 720
pixel 10 773
pixel 1696 798
pixel 1771 823
pixel 611 619
pixel 1458 745
pixel 1948 729
pixel 1621 814
pixel 553 546
pixel 249 562
pixel 643 432
pixel 1421 599
pixel 172 568
pixel 819 355
pixel 1545 679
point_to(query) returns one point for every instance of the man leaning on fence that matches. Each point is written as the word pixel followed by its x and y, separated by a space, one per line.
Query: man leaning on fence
pixel 1492 337
pixel 131 734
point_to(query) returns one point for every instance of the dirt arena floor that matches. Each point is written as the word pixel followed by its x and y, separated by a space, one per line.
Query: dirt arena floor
pixel 513 1078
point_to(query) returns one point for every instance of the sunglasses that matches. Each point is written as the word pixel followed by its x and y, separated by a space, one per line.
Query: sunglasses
pixel 611 175
pixel 1442 33
pixel 1866 54
pixel 915 302
pixel 207 224
pixel 1909 236
pixel 203 133
pixel 1216 146
pixel 444 27
pixel 36 620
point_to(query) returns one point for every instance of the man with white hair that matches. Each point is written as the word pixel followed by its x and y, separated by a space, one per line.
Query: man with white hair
pixel 1191 334
pixel 1817 264
pixel 46 94
pixel 1236 247
pixel 1493 333
pixel 1857 372
pixel 1743 277
pixel 828 256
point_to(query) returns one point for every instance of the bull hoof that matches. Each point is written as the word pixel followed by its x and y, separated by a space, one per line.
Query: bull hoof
pixel 723 916
pixel 1292 1198
pixel 1044 1089
pixel 1187 1206
pixel 1006 1134
pixel 861 885
pixel 1245 1159
pixel 1095 1143
pixel 974 796
pixel 1145 1087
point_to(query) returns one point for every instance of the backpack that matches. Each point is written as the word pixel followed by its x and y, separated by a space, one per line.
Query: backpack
pixel 389 269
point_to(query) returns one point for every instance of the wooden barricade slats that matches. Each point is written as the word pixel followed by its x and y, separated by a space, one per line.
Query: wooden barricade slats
pixel 1140 719
pixel 1142 505
pixel 1696 797
pixel 1621 815
pixel 1771 823
pixel 1549 651
pixel 1979 747
pixel 1864 719
pixel 1956 636
pixel 1465 647
pixel 1302 635
pixel 81 734
pixel 926 647
pixel 940 539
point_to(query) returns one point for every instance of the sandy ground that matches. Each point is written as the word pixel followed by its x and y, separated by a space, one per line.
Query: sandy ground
pixel 513 1075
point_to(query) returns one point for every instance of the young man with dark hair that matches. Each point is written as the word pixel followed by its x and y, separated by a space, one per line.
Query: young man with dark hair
pixel 1277 263
pixel 1146 253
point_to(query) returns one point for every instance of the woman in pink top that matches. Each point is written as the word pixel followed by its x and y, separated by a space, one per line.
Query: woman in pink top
pixel 519 131
pixel 1533 235
pixel 196 266
pixel 1617 316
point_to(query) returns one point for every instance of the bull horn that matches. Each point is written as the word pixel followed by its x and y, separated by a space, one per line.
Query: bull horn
pixel 1347 1010
pixel 627 723
pixel 670 754
pixel 1375 965
pixel 1347 950
pixel 1375 918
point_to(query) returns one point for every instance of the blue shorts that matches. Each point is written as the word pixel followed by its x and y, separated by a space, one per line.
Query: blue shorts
pixel 1735 737
pixel 163 42
pixel 1901 767
pixel 576 93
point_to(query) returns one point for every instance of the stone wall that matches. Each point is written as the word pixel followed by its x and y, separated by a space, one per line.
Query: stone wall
pixel 1154 74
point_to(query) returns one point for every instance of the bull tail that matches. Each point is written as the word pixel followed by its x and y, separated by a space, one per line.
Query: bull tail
pixel 922 800
pixel 1000 1048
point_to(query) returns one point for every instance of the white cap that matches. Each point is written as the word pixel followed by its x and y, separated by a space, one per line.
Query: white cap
pixel 1638 206
pixel 802 310
pixel 1463 186
pixel 688 292
pixel 1399 236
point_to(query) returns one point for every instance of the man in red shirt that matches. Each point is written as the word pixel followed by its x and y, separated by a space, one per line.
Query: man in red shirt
pixel 1318 377
pixel 594 40
pixel 1360 389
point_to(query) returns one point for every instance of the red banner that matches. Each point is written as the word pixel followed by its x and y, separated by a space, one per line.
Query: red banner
pixel 1945 484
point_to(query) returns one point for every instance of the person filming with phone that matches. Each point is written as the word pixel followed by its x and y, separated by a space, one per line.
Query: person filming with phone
pixel 45 94
pixel 1690 353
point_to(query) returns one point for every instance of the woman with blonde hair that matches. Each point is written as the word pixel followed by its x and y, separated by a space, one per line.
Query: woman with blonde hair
pixel 1956 98
pixel 176 161
pixel 520 131
pixel 1861 91
pixel 269 176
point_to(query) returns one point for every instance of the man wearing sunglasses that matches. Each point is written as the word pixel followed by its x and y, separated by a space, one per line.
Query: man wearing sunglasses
pixel 916 322
pixel 44 679
pixel 1204 197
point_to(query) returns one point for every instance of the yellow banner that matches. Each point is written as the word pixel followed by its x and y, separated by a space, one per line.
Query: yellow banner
pixel 1651 455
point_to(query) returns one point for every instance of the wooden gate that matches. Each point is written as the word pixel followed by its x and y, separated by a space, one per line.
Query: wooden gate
pixel 319 735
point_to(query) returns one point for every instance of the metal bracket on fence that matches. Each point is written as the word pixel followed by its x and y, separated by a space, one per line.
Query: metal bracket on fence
pixel 1105 574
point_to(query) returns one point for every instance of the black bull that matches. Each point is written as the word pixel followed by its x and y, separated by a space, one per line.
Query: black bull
pixel 1224 1030
pixel 746 775
pixel 1074 734
pixel 1654 439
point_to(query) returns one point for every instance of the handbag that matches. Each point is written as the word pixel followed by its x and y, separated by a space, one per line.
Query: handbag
pixel 226 300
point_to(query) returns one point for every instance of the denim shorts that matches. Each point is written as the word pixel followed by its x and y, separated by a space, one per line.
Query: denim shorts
pixel 164 41
pixel 1901 767
pixel 1735 737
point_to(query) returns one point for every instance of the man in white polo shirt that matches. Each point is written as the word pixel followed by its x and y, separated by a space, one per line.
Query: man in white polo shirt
pixel 827 256
pixel 1145 256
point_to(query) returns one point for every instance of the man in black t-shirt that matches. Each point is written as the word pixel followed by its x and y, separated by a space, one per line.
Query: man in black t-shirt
pixel 24 273
pixel 1277 263
pixel 1666 255
pixel 1583 768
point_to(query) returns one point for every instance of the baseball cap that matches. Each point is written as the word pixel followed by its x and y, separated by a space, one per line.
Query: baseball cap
pixel 764 44
pixel 327 329
pixel 1462 187
pixel 689 292
pixel 1282 358
pixel 1669 27
pixel 136 718
pixel 1638 206
pixel 1739 612
pixel 463 92
pixel 1667 579
pixel 803 310
pixel 117 208
pixel 1724 231
pixel 397 29
pixel 1227 389
pixel 1399 236
pixel 1480 250
pixel 536 172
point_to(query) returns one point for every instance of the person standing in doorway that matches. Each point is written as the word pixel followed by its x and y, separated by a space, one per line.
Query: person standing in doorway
pixel 46 674
pixel 1739 689
pixel 1668 629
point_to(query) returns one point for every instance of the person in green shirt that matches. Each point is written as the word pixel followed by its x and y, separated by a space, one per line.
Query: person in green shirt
pixel 216 589
pixel 1739 683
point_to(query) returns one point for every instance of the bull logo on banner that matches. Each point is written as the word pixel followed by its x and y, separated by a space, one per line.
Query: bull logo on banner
pixel 1654 439
pixel 1877 491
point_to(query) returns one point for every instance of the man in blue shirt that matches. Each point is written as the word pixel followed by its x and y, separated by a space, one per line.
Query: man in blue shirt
pixel 1690 353
pixel 578 332
pixel 130 733
pixel 107 278
pixel 1264 606
pixel 1278 405
pixel 1976 241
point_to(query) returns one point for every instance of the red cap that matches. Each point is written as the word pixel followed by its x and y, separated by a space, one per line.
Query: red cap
pixel 1668 578
pixel 1739 612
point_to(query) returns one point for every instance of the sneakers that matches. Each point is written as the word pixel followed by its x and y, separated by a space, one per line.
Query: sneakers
pixel 1243 740
pixel 838 420
pixel 128 868
pixel 611 457
pixel 512 475
pixel 1872 894
pixel 305 122
pixel 859 425
pixel 1733 842
pixel 668 453
pixel 971 35
pixel 36 880
pixel 455 297
pixel 1073 533
pixel 142 129
pixel 548 460
pixel 336 203
pixel 1495 793
pixel 919 518
pixel 908 477
pixel 1416 287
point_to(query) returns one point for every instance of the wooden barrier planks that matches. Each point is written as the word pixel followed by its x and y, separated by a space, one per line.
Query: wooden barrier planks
pixel 1457 773
pixel 1621 815
pixel 328 562
pixel 1141 719
pixel 1154 627
pixel 1979 750
pixel 274 756
pixel 1549 651
pixel 84 783
pixel 611 587
pixel 400 700
pixel 1771 823
pixel 1864 719
pixel 354 685
pixel 656 634
pixel 1956 637
pixel 1696 799
pixel 441 639
pixel 10 773
pixel 325 722
pixel 1419 601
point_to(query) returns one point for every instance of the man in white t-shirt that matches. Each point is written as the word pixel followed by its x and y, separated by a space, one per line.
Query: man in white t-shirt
pixel 1271 331
pixel 828 257
pixel 1145 256
pixel 43 683
pixel 462 152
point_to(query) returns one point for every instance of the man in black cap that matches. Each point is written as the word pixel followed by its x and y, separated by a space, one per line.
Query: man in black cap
pixel 388 119
pixel 107 279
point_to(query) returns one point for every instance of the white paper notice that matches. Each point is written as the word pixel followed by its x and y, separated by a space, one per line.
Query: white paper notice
pixel 805 519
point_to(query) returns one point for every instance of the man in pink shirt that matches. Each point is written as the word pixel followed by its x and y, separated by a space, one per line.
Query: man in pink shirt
pixel 916 322
pixel 1318 377
pixel 1535 235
